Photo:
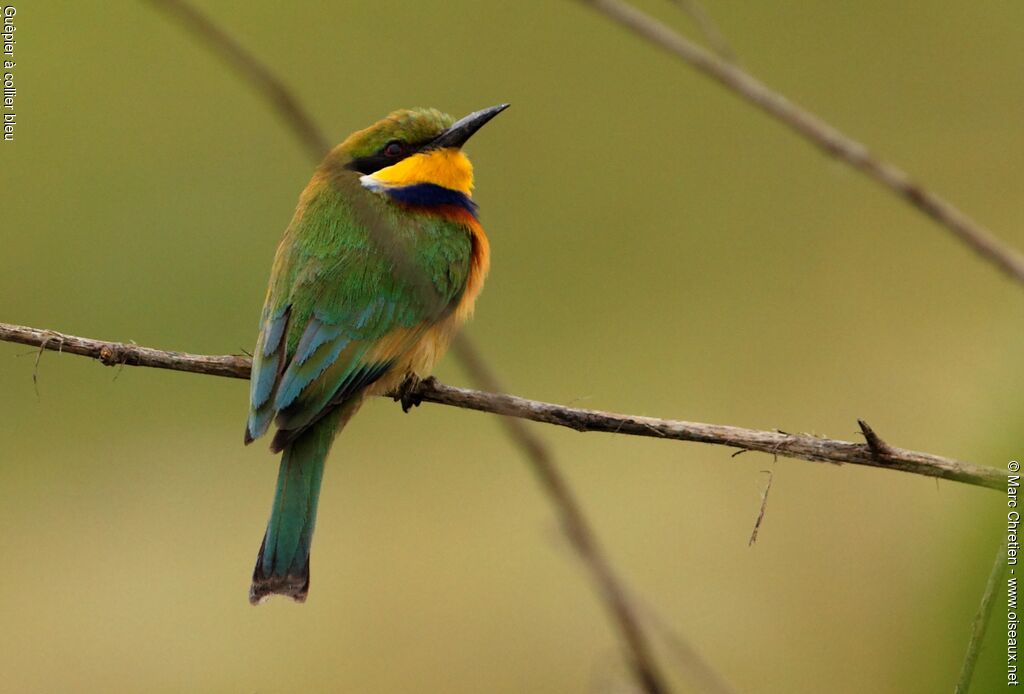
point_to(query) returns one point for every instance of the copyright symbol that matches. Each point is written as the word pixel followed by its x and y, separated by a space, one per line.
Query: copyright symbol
pixel 1014 466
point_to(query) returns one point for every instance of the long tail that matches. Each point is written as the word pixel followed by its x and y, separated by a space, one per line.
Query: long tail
pixel 282 566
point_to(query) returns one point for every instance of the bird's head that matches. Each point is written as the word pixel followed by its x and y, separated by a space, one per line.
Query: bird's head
pixel 416 146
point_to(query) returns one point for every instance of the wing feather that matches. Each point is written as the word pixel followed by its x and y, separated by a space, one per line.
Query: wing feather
pixel 338 315
pixel 267 366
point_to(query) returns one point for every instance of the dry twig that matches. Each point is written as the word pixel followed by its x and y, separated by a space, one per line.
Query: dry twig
pixel 797 446
pixel 980 624
pixel 269 85
pixel 812 128
pixel 763 507
pixel 708 27
pixel 574 522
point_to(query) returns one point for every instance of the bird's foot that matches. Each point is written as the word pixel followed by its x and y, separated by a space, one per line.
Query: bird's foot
pixel 408 392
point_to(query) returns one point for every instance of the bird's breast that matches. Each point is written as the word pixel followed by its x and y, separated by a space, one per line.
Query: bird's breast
pixel 433 344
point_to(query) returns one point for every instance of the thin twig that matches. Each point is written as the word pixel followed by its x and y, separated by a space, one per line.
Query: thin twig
pixel 980 624
pixel 269 85
pixel 583 537
pixel 574 523
pixel 701 677
pixel 35 366
pixel 708 27
pixel 762 509
pixel 817 131
pixel 115 353
pixel 796 446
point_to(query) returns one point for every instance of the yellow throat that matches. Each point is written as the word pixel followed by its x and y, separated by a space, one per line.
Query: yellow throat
pixel 448 168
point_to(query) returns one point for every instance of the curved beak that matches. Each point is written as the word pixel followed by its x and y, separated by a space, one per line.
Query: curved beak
pixel 464 128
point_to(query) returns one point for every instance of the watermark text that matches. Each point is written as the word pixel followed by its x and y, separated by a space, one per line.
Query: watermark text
pixel 1013 677
pixel 8 41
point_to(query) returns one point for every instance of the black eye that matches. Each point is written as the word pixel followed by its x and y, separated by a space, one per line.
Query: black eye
pixel 394 149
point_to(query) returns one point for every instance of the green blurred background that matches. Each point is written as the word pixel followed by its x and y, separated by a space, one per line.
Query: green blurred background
pixel 659 248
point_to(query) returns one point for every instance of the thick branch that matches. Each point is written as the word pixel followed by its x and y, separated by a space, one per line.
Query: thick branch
pixel 817 131
pixel 873 453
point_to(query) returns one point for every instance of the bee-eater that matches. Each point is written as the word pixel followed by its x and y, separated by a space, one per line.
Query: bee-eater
pixel 381 263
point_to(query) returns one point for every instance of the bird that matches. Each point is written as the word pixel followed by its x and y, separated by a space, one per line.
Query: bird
pixel 380 265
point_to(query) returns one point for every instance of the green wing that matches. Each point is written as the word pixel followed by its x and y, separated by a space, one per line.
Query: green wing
pixel 356 282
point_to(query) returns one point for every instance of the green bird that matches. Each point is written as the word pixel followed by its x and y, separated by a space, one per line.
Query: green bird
pixel 380 265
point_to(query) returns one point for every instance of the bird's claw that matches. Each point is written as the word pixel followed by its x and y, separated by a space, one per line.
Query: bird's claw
pixel 408 392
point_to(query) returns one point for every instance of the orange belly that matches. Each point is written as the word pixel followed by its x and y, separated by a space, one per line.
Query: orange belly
pixel 429 349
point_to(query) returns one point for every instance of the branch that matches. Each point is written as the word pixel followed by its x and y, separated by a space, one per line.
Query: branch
pixel 574 522
pixel 812 128
pixel 118 354
pixel 980 624
pixel 272 88
pixel 873 453
pixel 798 446
pixel 709 28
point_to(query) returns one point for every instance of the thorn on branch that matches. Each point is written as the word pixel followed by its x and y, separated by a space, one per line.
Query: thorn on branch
pixel 879 449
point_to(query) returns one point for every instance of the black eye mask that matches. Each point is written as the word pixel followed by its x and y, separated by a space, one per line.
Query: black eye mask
pixel 381 159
